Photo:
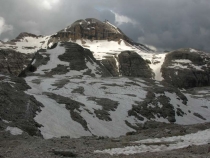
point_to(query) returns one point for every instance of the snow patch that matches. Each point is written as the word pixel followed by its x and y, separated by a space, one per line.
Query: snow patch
pixel 163 144
pixel 54 60
pixel 193 50
pixel 14 130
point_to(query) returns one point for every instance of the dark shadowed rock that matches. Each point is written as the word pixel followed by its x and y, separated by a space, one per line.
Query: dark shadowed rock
pixel 18 107
pixel 12 62
pixel 111 65
pixel 187 68
pixel 133 65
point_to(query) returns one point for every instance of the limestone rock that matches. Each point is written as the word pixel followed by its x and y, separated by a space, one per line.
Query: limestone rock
pixel 12 62
pixel 18 107
pixel 133 65
pixel 187 68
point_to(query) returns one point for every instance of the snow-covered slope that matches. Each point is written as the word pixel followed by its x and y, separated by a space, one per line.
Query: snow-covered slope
pixel 79 94
pixel 104 48
pixel 27 44
pixel 78 104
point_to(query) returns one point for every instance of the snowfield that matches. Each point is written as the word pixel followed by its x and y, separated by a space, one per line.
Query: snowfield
pixel 27 44
pixel 91 93
pixel 103 48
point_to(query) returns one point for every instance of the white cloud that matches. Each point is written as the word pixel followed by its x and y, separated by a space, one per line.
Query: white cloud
pixel 4 27
pixel 120 19
pixel 48 4
pixel 5 39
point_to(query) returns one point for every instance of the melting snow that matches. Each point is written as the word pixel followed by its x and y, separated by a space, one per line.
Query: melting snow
pixel 28 44
pixel 193 50
pixel 14 130
pixel 54 60
pixel 163 144
pixel 156 63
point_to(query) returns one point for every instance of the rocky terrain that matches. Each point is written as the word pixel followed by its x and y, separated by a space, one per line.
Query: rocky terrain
pixel 187 68
pixel 26 146
pixel 90 91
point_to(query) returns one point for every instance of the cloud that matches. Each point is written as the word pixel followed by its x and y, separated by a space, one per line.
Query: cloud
pixel 120 19
pixel 49 4
pixel 4 27
pixel 165 24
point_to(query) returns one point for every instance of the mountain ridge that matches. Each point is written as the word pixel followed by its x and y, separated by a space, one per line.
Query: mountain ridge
pixel 89 87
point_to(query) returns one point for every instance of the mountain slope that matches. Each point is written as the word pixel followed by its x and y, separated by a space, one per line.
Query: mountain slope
pixel 91 79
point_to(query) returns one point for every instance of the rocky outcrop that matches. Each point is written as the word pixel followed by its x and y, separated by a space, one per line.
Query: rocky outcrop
pixel 111 64
pixel 23 35
pixel 158 105
pixel 12 62
pixel 92 29
pixel 17 107
pixel 187 68
pixel 133 65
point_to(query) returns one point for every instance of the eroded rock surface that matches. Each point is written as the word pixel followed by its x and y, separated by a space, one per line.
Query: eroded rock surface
pixel 133 65
pixel 13 62
pixel 17 107
pixel 187 68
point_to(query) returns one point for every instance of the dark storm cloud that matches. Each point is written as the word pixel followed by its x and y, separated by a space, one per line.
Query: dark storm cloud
pixel 166 24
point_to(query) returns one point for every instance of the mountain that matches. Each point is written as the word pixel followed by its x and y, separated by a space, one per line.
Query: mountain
pixel 90 79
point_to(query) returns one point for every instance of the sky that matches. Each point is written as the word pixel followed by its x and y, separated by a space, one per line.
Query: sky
pixel 165 24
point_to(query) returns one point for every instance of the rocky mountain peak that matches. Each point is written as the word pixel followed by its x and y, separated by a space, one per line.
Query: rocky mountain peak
pixel 22 35
pixel 92 29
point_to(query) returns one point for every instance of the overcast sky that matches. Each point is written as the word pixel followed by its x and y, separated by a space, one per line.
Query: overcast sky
pixel 165 24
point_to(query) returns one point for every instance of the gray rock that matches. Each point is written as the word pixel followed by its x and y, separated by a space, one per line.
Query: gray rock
pixel 18 107
pixel 133 65
pixel 12 62
pixel 195 73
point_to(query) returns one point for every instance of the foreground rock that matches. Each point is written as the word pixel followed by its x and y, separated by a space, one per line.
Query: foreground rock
pixel 17 109
pixel 187 68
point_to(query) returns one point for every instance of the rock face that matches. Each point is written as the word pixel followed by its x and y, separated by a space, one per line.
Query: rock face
pixel 92 29
pixel 187 68
pixel 133 65
pixel 17 107
pixel 23 35
pixel 111 65
pixel 12 62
